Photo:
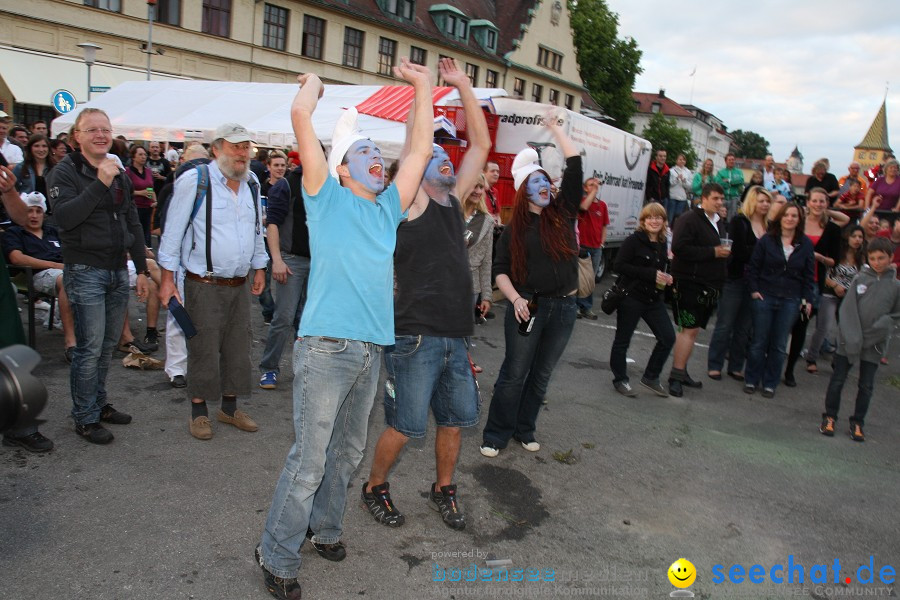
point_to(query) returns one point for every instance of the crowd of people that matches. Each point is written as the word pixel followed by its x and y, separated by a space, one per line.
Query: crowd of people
pixel 766 265
pixel 319 235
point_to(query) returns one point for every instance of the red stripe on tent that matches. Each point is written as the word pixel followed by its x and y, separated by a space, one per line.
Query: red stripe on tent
pixel 393 101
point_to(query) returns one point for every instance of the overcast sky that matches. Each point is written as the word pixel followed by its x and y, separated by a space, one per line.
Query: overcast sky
pixel 811 73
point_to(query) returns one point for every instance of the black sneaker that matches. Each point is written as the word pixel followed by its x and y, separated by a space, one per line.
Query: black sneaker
pixel 34 442
pixel 94 433
pixel 789 380
pixel 654 386
pixel 135 347
pixel 446 503
pixel 335 552
pixel 856 432
pixel 178 381
pixel 280 587
pixel 110 415
pixel 624 388
pixel 380 506
pixel 690 382
pixel 827 426
pixel 151 340
pixel 675 388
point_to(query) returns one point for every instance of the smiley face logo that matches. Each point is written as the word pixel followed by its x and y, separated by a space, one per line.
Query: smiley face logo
pixel 682 573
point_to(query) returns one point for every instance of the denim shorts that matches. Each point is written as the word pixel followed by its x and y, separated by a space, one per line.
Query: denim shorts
pixel 45 281
pixel 428 371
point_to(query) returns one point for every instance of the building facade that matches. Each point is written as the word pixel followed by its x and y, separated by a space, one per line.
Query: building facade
pixel 522 46
pixel 708 134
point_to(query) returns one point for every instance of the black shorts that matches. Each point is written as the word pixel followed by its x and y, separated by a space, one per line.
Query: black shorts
pixel 693 304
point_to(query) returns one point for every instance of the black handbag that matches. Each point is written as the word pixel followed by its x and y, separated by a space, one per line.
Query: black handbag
pixel 613 297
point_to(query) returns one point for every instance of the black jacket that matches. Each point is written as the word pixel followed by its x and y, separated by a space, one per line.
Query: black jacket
pixel 637 262
pixel 828 245
pixel 657 188
pixel 771 275
pixel 740 230
pixel 694 242
pixel 97 225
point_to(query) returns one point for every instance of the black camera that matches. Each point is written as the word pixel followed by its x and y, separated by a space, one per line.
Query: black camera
pixel 22 396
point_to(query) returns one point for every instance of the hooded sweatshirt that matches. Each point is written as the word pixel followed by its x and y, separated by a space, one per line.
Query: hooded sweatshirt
pixel 867 314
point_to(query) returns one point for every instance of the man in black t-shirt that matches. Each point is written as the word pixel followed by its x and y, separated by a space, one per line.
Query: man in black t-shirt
pixel 429 365
pixel 159 166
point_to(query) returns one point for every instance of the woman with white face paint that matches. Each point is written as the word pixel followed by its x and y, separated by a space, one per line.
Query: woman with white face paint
pixel 536 268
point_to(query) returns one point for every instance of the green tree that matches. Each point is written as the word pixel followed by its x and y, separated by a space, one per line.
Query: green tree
pixel 665 134
pixel 748 144
pixel 608 64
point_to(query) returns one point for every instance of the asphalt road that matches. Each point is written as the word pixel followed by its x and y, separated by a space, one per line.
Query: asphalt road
pixel 620 489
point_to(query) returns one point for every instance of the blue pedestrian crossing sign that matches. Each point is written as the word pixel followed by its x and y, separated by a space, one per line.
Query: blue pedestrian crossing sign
pixel 63 101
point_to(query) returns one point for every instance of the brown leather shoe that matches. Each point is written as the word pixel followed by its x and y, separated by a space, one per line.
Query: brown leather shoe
pixel 241 420
pixel 201 428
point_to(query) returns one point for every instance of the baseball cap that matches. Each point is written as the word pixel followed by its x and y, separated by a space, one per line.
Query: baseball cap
pixel 232 132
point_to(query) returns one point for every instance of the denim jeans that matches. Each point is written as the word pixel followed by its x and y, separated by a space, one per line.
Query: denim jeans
pixel 99 300
pixel 596 254
pixel 334 386
pixel 526 369
pixel 629 313
pixel 773 318
pixel 674 208
pixel 864 390
pixel 289 300
pixel 734 326
pixel 826 319
pixel 265 299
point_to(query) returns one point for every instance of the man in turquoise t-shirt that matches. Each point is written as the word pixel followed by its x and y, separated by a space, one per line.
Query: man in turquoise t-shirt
pixel 732 181
pixel 347 319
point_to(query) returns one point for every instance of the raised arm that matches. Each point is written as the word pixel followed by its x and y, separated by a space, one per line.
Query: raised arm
pixel 593 188
pixel 420 149
pixel 476 125
pixel 315 168
pixel 563 142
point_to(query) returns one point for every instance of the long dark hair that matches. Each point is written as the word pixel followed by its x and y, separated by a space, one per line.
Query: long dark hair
pixel 775 223
pixel 29 163
pixel 557 235
pixel 859 255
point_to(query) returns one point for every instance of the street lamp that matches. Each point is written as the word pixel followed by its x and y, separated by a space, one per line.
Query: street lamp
pixel 90 57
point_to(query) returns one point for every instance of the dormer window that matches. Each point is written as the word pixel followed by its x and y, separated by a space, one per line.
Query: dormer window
pixel 451 21
pixel 402 9
pixel 485 33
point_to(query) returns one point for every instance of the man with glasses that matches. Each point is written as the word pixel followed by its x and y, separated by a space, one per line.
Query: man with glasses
pixel 851 176
pixel 98 226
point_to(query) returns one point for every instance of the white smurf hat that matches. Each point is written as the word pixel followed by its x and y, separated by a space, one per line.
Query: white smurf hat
pixel 525 163
pixel 35 199
pixel 346 133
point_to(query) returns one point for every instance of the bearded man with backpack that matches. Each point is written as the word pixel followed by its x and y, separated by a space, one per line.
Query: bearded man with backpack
pixel 214 232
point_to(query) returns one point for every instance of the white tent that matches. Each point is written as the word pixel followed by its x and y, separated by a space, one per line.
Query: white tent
pixel 180 111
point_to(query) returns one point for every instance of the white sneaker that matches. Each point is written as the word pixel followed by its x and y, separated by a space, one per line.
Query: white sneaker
pixel 531 446
pixel 41 305
pixel 489 450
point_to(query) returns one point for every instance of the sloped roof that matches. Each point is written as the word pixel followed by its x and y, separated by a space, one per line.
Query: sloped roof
pixel 667 106
pixel 507 15
pixel 877 136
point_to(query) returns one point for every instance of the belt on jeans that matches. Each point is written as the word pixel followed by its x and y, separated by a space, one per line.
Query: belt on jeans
pixel 225 281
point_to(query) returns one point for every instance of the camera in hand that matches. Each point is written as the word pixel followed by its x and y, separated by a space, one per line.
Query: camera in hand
pixel 22 395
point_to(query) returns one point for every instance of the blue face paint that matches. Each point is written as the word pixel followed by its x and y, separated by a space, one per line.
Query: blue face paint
pixel 537 183
pixel 440 170
pixel 366 165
